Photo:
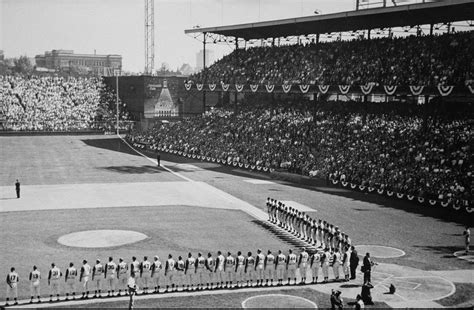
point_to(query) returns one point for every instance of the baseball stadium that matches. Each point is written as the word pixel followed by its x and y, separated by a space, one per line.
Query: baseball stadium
pixel 313 173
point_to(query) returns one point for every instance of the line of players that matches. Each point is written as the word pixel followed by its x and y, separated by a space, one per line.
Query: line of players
pixel 318 233
pixel 193 273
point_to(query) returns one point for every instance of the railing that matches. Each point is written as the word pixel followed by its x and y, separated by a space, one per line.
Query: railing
pixel 67 126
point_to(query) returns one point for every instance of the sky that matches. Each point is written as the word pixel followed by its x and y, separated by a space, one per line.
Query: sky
pixel 30 27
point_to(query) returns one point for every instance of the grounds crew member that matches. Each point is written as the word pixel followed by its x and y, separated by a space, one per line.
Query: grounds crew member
pixel 35 277
pixel 70 279
pixel 53 281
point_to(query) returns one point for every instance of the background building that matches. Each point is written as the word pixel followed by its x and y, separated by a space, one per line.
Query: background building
pixel 209 59
pixel 66 60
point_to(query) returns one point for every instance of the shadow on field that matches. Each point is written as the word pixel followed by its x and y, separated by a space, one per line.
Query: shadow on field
pixel 133 169
pixel 320 185
pixel 443 251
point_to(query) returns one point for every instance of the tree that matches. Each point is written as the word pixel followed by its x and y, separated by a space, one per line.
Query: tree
pixel 22 65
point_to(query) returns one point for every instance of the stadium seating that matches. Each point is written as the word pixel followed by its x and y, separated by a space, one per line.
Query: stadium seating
pixel 56 104
pixel 420 156
pixel 425 60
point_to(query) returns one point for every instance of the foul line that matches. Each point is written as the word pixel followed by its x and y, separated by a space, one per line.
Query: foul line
pixel 155 162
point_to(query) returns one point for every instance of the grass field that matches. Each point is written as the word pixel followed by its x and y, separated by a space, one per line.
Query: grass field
pixel 193 206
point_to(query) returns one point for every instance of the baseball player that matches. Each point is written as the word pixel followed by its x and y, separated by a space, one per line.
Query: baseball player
pixel 315 264
pixel 325 264
pixel 337 261
pixel 12 286
pixel 269 209
pixel 70 279
pixel 170 272
pixel 111 276
pixel 270 266
pixel 240 269
pixel 211 267
pixel 291 266
pixel 157 273
pixel 220 273
pixel 145 274
pixel 303 265
pixel 280 267
pixel 190 271
pixel 180 265
pixel 346 263
pixel 53 281
pixel 260 267
pixel 250 268
pixel 200 271
pixel 35 277
pixel 229 268
pixel 135 268
pixel 97 276
pixel 84 278
pixel 122 276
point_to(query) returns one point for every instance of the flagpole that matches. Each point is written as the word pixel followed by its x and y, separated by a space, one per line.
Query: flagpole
pixel 117 102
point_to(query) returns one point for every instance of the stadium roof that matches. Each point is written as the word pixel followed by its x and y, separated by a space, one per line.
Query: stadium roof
pixel 398 16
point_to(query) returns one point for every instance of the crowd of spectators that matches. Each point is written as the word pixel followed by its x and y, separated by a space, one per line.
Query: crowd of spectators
pixel 418 155
pixel 426 60
pixel 56 103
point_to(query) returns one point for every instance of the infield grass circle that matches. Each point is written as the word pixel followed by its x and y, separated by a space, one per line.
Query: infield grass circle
pixel 101 238
pixel 271 301
pixel 379 251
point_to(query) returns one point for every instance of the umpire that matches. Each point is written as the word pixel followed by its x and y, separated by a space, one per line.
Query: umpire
pixel 17 188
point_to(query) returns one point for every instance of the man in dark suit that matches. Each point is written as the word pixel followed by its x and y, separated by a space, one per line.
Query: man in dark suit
pixel 367 267
pixel 17 188
pixel 354 262
pixel 158 158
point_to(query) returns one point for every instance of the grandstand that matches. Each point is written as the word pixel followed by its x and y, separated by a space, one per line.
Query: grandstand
pixel 372 138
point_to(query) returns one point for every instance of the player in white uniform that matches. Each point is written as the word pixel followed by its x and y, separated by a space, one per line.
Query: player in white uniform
pixel 303 264
pixel 240 269
pixel 170 272
pixel 35 277
pixel 97 276
pixel 122 276
pixel 220 273
pixel 111 276
pixel 70 278
pixel 325 264
pixel 200 272
pixel 53 282
pixel 337 261
pixel 157 273
pixel 12 286
pixel 346 263
pixel 145 274
pixel 270 266
pixel 135 268
pixel 211 267
pixel 315 264
pixel 190 272
pixel 180 265
pixel 250 269
pixel 291 266
pixel 280 267
pixel 84 278
pixel 260 267
pixel 229 269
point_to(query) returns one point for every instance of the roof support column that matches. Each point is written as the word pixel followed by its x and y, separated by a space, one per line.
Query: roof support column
pixel 204 73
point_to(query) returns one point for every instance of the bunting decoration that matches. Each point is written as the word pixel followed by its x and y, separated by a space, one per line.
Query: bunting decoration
pixel 390 89
pixel 254 87
pixel 367 88
pixel 344 89
pixel 304 88
pixel 286 88
pixel 239 87
pixel 225 87
pixel 471 88
pixel 323 88
pixel 187 86
pixel 416 90
pixel 199 86
pixel 445 90
pixel 212 87
pixel 269 88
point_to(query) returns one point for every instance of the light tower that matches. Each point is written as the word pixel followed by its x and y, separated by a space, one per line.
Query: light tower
pixel 149 36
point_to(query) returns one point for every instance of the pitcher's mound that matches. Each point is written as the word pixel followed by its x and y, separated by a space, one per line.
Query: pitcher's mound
pixel 379 251
pixel 271 301
pixel 101 238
